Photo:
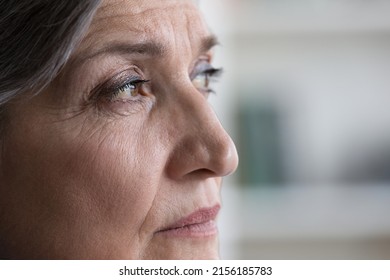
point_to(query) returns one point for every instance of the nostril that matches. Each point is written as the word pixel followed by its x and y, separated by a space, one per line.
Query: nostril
pixel 203 173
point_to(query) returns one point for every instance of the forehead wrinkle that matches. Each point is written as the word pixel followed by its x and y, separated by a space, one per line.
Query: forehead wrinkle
pixel 199 39
pixel 149 48
pixel 129 26
pixel 139 6
pixel 112 8
pixel 126 20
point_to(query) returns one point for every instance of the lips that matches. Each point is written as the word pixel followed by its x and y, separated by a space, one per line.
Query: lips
pixel 200 223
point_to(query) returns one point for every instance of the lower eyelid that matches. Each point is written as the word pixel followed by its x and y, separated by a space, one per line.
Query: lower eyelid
pixel 125 108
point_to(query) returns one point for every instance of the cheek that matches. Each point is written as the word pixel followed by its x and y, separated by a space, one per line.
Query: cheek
pixel 110 173
pixel 120 174
pixel 100 182
pixel 117 172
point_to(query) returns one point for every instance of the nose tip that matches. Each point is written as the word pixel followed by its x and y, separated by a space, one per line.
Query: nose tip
pixel 210 152
pixel 225 160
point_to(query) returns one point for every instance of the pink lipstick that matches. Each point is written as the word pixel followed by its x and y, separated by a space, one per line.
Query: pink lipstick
pixel 200 223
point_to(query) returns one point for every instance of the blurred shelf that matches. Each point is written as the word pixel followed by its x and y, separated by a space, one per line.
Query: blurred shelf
pixel 303 222
pixel 305 212
pixel 377 248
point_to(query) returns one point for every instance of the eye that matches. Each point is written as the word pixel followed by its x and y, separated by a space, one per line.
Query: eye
pixel 126 86
pixel 127 91
pixel 203 75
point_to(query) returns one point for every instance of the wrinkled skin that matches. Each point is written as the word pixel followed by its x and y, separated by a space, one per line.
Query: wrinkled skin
pixel 85 175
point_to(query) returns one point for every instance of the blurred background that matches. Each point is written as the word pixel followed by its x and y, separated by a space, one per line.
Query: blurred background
pixel 305 96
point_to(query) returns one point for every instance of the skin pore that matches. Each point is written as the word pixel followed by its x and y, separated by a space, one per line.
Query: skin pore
pixel 120 146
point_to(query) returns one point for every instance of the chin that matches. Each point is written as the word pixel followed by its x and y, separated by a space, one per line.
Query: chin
pixel 184 249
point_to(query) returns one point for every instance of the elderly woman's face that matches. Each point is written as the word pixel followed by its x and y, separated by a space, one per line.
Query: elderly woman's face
pixel 121 156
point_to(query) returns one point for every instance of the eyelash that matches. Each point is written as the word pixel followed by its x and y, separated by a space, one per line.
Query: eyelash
pixel 212 73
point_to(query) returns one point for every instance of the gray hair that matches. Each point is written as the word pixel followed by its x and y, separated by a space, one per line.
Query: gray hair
pixel 36 39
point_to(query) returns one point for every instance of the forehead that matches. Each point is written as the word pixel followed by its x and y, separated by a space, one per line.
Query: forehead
pixel 167 21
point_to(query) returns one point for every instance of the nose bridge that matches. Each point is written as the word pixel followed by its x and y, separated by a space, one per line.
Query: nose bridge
pixel 203 146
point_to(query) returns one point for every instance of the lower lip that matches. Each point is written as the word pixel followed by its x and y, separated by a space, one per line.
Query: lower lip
pixel 200 230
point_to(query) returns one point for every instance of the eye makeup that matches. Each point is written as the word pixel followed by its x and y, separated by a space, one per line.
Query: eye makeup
pixel 203 75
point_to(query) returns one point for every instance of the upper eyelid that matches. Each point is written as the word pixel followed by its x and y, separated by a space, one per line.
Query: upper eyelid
pixel 195 71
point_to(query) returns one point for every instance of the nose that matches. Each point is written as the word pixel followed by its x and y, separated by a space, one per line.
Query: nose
pixel 201 145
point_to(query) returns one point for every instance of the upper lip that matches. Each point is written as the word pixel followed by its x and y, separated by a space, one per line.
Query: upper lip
pixel 200 216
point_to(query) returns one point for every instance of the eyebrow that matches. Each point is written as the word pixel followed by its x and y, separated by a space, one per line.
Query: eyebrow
pixel 208 42
pixel 149 48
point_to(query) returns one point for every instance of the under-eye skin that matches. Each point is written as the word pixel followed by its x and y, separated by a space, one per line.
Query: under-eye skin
pixel 203 75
